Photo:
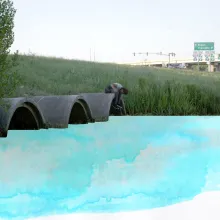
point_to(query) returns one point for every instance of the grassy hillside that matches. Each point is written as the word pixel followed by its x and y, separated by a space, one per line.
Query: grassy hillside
pixel 152 90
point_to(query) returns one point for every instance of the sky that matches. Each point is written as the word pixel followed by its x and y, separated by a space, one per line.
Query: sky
pixel 111 31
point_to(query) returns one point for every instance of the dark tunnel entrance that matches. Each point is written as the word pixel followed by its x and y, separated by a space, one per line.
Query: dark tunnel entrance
pixel 24 119
pixel 78 114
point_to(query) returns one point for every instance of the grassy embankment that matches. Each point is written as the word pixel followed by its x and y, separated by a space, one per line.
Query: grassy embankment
pixel 153 91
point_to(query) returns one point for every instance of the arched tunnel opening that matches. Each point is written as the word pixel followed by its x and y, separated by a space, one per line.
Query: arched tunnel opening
pixel 24 119
pixel 78 114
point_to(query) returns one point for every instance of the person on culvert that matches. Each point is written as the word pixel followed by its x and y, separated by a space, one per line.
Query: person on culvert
pixel 118 90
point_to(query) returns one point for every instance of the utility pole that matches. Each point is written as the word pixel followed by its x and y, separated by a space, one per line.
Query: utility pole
pixel 94 55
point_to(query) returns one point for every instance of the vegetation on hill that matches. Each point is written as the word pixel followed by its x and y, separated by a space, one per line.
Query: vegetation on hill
pixel 9 79
pixel 153 91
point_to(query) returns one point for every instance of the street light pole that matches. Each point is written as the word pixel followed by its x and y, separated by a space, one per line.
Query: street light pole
pixel 171 54
pixel 160 54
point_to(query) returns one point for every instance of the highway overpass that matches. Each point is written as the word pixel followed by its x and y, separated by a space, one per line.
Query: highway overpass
pixel 43 112
pixel 213 66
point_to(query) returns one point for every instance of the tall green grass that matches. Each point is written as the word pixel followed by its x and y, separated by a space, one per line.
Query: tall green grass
pixel 152 91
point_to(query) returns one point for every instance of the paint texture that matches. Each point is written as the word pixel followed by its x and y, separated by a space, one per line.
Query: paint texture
pixel 128 163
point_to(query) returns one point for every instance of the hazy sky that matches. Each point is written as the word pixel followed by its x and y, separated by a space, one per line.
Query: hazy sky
pixel 114 29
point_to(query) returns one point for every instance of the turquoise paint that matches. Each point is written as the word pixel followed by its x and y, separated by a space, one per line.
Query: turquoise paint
pixel 128 163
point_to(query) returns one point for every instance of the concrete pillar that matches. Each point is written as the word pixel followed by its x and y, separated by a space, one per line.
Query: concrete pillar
pixel 211 67
pixel 218 67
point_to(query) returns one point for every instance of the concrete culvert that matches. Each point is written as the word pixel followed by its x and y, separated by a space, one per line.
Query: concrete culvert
pixel 78 114
pixel 24 118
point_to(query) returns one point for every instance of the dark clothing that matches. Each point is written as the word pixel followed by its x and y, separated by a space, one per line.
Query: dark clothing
pixel 117 99
pixel 109 89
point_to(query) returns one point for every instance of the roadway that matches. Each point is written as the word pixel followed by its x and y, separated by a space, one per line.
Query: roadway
pixel 213 65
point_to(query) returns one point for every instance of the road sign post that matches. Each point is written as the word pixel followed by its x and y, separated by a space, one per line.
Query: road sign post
pixel 200 48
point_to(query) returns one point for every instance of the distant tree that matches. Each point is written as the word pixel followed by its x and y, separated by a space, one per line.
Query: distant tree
pixel 9 78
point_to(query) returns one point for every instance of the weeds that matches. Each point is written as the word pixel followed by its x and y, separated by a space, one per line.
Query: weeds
pixel 152 91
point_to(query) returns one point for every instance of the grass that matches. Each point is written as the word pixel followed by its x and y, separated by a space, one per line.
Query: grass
pixel 152 91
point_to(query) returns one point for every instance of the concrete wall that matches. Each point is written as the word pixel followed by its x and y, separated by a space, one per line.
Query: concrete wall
pixel 211 67
pixel 53 111
pixel 218 67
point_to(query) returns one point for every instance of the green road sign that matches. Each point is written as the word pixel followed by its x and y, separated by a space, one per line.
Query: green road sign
pixel 218 56
pixel 204 46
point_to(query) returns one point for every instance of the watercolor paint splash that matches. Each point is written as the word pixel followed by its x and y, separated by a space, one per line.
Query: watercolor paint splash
pixel 128 163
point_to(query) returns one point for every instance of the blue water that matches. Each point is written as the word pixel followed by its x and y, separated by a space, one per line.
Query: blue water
pixel 128 163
